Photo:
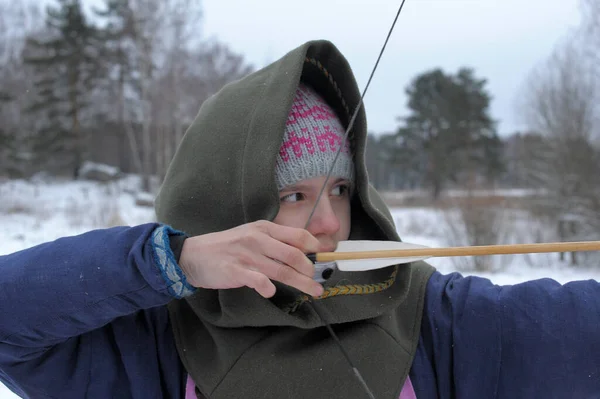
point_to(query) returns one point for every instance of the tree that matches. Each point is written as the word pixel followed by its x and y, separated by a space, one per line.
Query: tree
pixel 449 135
pixel 67 71
pixel 162 73
pixel 590 33
pixel 17 21
pixel 187 79
pixel 121 92
pixel 6 139
pixel 384 174
pixel 590 28
pixel 121 89
pixel 560 102
pixel 518 150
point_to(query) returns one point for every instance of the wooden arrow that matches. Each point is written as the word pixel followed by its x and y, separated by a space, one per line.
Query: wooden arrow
pixel 356 255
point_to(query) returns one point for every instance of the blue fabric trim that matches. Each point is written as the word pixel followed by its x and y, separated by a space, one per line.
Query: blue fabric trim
pixel 177 284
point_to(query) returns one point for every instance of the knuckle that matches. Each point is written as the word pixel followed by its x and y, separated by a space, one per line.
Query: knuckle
pixel 306 239
pixel 283 274
pixel 261 225
pixel 298 258
pixel 249 239
pixel 293 257
pixel 246 259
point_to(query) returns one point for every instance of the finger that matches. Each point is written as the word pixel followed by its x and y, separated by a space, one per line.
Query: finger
pixel 288 255
pixel 257 281
pixel 299 238
pixel 289 276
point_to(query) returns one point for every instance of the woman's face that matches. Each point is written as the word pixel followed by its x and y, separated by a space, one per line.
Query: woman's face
pixel 331 221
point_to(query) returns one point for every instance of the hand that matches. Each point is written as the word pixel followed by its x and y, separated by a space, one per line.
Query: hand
pixel 251 255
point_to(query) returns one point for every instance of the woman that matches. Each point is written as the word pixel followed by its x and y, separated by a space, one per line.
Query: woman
pixel 216 298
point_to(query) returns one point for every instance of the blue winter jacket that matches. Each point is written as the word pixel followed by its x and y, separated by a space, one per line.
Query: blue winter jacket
pixel 85 317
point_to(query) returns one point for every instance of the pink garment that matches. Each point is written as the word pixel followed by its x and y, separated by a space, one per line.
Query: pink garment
pixel 190 389
pixel 408 391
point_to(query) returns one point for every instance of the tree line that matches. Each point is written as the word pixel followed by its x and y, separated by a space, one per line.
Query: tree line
pixel 115 84
pixel 119 84
pixel 449 139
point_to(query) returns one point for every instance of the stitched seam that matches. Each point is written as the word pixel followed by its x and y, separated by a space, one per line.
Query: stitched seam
pixel 400 385
pixel 338 91
pixel 389 335
pixel 328 75
pixel 415 324
pixel 423 284
pixel 268 334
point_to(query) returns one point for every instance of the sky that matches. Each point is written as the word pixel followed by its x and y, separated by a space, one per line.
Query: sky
pixel 501 39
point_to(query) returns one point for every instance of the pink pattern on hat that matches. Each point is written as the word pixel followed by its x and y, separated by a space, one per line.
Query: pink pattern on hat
pixel 313 136
pixel 326 137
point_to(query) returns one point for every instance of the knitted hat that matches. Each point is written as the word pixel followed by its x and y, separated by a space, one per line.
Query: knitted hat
pixel 313 135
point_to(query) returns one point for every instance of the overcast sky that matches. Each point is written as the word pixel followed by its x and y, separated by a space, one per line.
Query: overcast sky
pixel 501 39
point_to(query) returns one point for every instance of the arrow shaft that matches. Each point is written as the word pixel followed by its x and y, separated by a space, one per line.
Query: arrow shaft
pixel 480 250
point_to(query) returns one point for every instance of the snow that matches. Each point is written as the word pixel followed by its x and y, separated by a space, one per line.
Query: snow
pixel 43 209
pixel 32 213
pixel 514 192
pixel 90 167
pixel 428 227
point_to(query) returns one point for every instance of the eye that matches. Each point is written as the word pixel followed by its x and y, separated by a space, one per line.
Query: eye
pixel 293 197
pixel 340 190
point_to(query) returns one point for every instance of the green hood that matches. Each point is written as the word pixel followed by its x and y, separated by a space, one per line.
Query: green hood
pixel 236 343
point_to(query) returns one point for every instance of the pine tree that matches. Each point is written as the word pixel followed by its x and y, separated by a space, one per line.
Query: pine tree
pixel 130 52
pixel 449 135
pixel 6 139
pixel 67 67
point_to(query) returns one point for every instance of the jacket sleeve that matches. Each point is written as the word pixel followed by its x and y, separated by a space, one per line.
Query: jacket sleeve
pixel 534 339
pixel 55 291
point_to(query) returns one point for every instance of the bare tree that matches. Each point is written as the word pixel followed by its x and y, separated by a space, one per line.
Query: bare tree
pixel 469 222
pixel 163 71
pixel 590 38
pixel 180 27
pixel 590 28
pixel 562 97
pixel 17 21
pixel 187 80
pixel 560 103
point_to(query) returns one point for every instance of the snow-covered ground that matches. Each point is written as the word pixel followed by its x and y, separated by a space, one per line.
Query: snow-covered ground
pixel 43 210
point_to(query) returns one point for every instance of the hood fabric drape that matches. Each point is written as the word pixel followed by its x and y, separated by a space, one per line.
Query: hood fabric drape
pixel 235 343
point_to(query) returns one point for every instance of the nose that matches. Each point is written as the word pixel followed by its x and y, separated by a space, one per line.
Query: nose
pixel 324 220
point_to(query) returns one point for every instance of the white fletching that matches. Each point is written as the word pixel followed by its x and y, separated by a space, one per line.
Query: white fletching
pixel 357 265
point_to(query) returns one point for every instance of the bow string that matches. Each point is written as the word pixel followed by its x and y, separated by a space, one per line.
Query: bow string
pixel 315 306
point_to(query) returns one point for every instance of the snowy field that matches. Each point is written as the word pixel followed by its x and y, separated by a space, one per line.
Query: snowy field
pixel 43 210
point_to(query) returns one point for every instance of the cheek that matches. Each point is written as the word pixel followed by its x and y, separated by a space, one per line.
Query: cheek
pixel 290 217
